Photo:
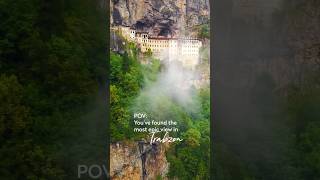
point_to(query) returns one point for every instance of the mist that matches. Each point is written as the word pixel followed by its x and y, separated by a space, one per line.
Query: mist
pixel 175 83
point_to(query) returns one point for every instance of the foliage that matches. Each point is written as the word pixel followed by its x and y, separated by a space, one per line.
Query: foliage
pixel 53 68
pixel 128 80
pixel 204 31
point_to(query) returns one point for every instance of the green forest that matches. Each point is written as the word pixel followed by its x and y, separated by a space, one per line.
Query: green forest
pixel 53 67
pixel 128 78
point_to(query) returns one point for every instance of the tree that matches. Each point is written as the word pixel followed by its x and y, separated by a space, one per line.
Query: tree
pixel 14 115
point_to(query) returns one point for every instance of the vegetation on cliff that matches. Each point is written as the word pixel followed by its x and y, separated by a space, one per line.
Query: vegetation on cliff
pixel 129 79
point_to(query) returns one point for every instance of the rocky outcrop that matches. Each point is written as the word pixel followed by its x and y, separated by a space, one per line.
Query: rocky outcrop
pixel 159 17
pixel 137 160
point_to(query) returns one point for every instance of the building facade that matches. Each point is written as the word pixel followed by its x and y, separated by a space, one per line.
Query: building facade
pixel 185 50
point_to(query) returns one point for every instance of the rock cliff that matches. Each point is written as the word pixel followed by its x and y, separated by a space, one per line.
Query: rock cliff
pixel 137 160
pixel 160 17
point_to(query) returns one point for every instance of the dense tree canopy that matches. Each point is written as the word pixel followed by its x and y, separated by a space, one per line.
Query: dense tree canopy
pixel 53 71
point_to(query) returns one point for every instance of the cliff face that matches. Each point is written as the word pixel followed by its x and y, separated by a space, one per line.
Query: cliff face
pixel 135 161
pixel 159 17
